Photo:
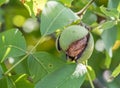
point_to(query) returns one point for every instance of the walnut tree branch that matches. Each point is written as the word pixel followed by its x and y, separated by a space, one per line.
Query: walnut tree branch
pixel 82 11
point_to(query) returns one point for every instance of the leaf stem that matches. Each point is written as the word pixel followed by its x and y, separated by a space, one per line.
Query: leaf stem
pixel 89 77
pixel 82 11
pixel 90 80
pixel 22 59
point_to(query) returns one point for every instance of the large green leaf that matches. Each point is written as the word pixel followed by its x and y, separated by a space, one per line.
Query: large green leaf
pixel 113 4
pixel 12 44
pixel 109 38
pixel 55 16
pixel 61 78
pixel 42 63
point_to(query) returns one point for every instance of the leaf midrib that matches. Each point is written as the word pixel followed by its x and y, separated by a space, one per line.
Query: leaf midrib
pixel 53 21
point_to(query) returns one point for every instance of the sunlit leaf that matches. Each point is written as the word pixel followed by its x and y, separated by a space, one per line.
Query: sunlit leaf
pixel 12 44
pixel 41 64
pixel 55 16
pixel 62 78
pixel 118 8
pixel 38 5
pixel 29 6
pixel 116 45
pixel 116 72
pixel 34 6
pixel 2 2
pixel 91 72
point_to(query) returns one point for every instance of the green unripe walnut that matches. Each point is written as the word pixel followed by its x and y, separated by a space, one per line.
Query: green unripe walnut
pixel 77 43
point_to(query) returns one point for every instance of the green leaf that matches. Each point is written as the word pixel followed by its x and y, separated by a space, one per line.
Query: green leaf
pixel 118 7
pixel 10 82
pixel 21 68
pixel 116 72
pixel 106 25
pixel 101 2
pixel 7 82
pixel 106 61
pixel 3 83
pixel 89 18
pixel 23 82
pixel 113 4
pixel 91 72
pixel 109 38
pixel 12 44
pixel 1 72
pixel 55 16
pixel 38 5
pixel 29 6
pixel 34 6
pixel 1 15
pixel 65 2
pixel 110 12
pixel 42 63
pixel 118 31
pixel 2 2
pixel 61 78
